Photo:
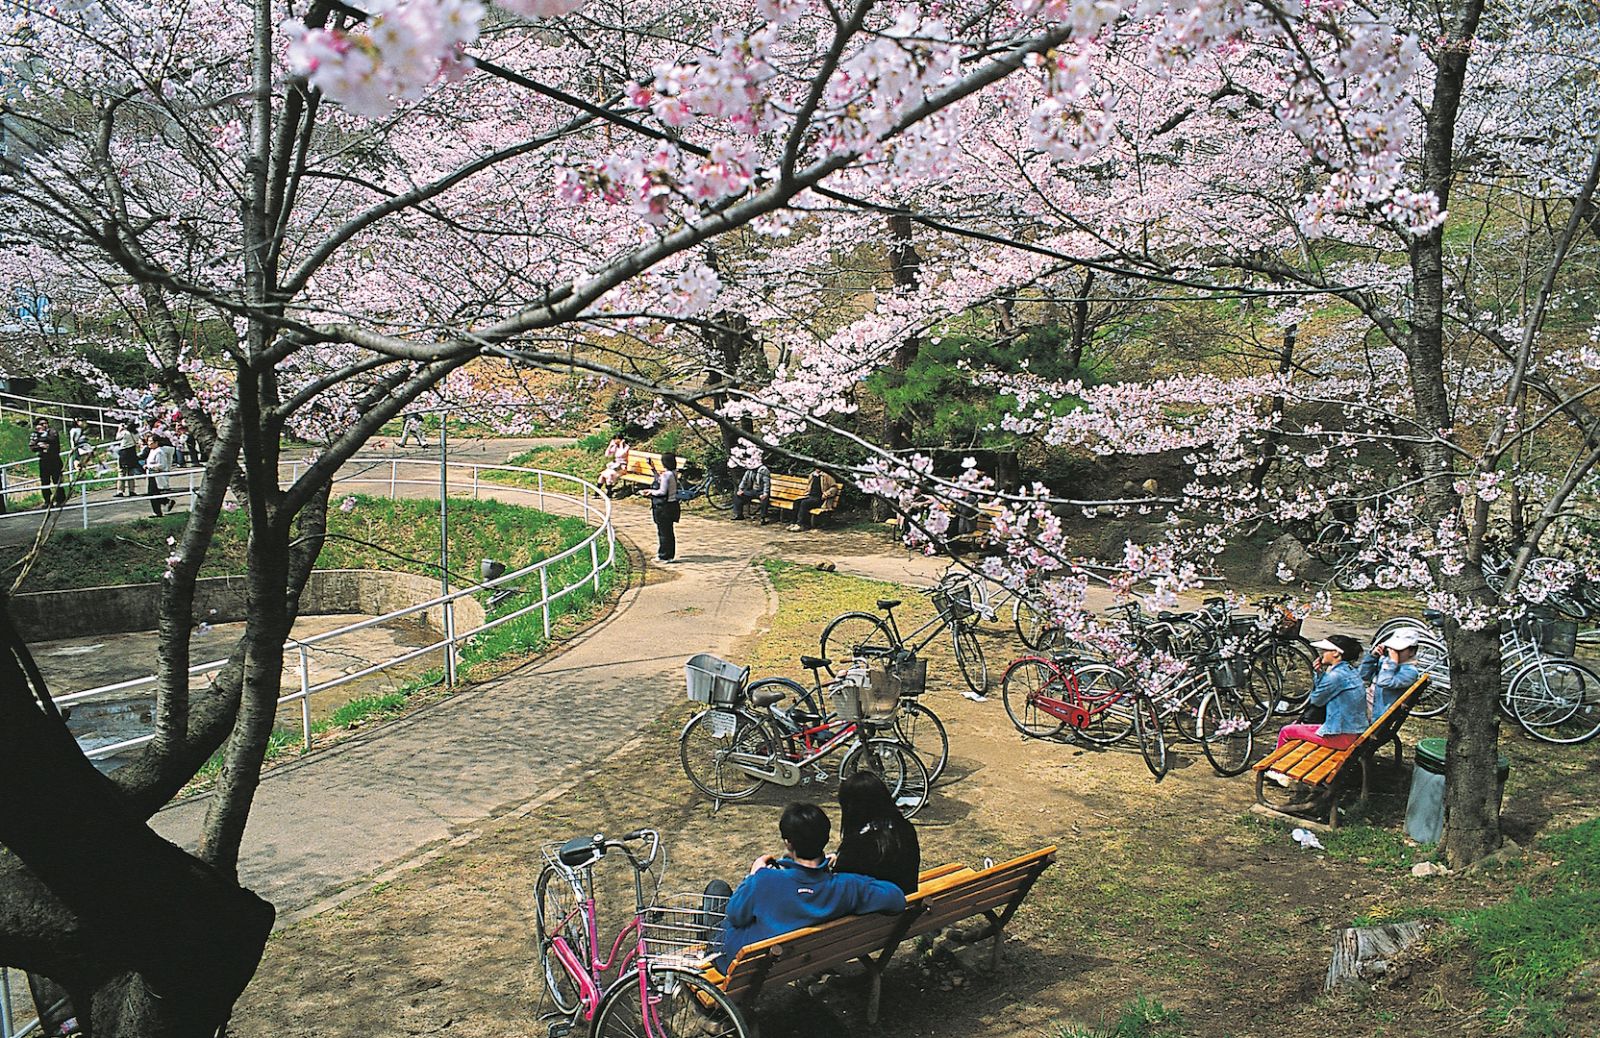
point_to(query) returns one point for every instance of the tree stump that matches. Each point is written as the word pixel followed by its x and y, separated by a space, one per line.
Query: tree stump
pixel 1366 953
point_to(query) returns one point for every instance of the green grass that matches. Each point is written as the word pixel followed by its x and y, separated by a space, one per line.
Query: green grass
pixel 14 442
pixel 376 533
pixel 1532 947
pixel 1140 1018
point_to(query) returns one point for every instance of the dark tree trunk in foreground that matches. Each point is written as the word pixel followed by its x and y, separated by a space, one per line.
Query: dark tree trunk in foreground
pixel 1472 827
pixel 148 940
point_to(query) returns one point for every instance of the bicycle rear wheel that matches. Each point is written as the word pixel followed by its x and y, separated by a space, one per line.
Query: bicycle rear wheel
pixel 1433 658
pixel 556 915
pixel 1226 734
pixel 1107 693
pixel 1033 627
pixel 853 635
pixel 969 657
pixel 920 728
pixel 1556 701
pixel 899 768
pixel 1152 744
pixel 1024 682
pixel 706 750
pixel 674 1003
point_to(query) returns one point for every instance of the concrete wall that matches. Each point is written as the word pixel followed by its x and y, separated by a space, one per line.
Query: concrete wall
pixel 88 612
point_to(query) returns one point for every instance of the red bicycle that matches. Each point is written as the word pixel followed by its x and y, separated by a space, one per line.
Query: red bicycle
pixel 1046 695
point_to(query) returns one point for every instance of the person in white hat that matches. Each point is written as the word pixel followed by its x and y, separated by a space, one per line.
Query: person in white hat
pixel 1339 689
pixel 1387 670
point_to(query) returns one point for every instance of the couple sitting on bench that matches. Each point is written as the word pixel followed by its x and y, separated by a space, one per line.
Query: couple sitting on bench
pixel 874 868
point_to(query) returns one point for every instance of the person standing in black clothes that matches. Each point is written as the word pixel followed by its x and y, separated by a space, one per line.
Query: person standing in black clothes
pixel 665 508
pixel 875 839
pixel 46 443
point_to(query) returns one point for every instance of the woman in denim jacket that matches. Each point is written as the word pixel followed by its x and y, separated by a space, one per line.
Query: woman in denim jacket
pixel 1339 688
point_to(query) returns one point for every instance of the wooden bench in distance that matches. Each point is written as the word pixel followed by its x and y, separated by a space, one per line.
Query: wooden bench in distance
pixel 1322 770
pixel 945 895
pixel 786 490
pixel 641 468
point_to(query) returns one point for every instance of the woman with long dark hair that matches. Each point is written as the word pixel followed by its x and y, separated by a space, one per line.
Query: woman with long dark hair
pixel 665 508
pixel 874 837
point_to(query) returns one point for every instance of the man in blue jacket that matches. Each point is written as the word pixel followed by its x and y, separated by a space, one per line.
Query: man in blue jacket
pixel 799 890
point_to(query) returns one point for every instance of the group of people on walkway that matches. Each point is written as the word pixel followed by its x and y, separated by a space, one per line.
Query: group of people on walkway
pixel 874 867
pixel 1355 686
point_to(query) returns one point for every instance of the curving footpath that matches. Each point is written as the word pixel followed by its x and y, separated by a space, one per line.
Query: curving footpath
pixel 326 826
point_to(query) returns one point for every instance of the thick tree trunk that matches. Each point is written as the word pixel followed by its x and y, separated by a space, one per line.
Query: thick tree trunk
pixel 1472 827
pixel 1269 447
pixel 1080 323
pixel 149 941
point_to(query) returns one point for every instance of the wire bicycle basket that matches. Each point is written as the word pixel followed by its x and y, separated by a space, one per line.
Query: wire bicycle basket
pixel 862 696
pixel 682 930
pixel 715 681
pixel 953 600
pixel 1228 671
pixel 898 679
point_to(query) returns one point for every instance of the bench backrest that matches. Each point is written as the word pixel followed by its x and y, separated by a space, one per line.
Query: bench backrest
pixel 1389 722
pixel 944 895
pixel 792 488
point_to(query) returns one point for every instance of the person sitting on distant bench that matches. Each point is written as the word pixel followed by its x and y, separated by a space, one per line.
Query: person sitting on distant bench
pixel 822 491
pixel 755 486
pixel 797 890
pixel 1387 670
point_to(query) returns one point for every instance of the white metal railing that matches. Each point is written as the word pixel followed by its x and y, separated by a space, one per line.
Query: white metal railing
pixel 549 487
pixel 34 407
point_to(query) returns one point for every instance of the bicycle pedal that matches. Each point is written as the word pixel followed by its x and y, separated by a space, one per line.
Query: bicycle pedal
pixel 559 1029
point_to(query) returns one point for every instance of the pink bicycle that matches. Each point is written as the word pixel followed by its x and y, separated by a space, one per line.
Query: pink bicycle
pixel 659 956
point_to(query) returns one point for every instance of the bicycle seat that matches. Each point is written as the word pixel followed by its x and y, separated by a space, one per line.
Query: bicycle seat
pixel 888 603
pixel 580 850
pixel 767 696
pixel 814 662
pixel 1433 616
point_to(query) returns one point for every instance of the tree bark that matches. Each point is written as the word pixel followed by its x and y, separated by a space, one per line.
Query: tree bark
pixel 904 266
pixel 148 940
pixel 1472 826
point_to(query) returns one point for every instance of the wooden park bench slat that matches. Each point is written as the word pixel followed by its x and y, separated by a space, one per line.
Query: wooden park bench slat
pixel 641 468
pixel 1321 768
pixel 945 895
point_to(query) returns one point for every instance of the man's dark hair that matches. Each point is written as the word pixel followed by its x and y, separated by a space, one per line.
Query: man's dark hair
pixel 806 828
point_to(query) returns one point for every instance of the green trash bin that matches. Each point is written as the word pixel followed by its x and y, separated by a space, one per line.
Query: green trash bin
pixel 1425 805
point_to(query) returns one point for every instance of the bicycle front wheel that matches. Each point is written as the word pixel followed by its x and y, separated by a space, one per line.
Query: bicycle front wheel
pixel 707 748
pixel 1556 701
pixel 555 915
pixel 1226 733
pixel 1147 728
pixel 854 635
pixel 899 768
pixel 1024 682
pixel 1433 658
pixel 717 495
pixel 969 657
pixel 657 1001
pixel 920 728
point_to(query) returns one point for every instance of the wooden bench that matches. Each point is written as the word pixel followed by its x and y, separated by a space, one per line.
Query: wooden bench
pixel 982 527
pixel 641 468
pixel 1323 771
pixel 945 895
pixel 786 490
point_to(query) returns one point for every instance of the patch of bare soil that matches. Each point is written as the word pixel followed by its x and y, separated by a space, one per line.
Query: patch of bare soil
pixel 1170 891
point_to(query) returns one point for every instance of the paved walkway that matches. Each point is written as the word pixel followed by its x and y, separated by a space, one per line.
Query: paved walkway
pixel 345 815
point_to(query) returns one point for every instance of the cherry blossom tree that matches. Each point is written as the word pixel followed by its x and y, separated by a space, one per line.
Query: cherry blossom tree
pixel 376 197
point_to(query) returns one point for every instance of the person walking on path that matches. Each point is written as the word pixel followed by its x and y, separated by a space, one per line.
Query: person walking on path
pixel 754 486
pixel 47 444
pixel 127 461
pixel 157 463
pixel 821 492
pixel 411 425
pixel 664 507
